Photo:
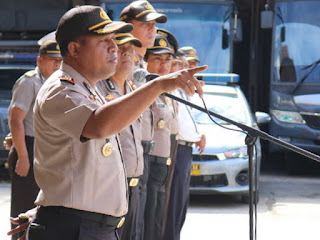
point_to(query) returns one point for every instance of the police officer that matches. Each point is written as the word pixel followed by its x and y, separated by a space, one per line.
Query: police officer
pixel 23 186
pixel 191 56
pixel 143 17
pixel 130 137
pixel 174 122
pixel 78 165
pixel 159 59
pixel 187 137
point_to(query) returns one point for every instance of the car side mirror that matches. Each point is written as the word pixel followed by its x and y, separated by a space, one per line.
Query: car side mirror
pixel 262 117
pixel 225 38
pixel 283 34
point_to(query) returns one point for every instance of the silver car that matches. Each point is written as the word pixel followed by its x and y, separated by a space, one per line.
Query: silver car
pixel 223 167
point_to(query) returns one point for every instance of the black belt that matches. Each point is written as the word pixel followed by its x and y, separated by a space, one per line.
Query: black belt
pixel 147 146
pixel 92 216
pixel 162 160
pixel 185 143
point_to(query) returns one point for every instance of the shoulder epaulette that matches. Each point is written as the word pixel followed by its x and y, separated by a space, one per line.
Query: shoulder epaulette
pixel 68 79
pixel 30 73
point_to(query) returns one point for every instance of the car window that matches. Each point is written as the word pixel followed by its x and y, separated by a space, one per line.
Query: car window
pixel 226 104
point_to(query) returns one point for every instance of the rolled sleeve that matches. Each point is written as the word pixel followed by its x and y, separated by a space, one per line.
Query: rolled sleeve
pixel 20 99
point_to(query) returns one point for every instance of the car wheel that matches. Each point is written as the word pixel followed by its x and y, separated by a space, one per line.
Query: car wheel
pixel 245 198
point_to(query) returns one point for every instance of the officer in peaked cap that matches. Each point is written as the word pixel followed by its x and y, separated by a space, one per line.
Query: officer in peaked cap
pixel 191 55
pixel 143 17
pixel 78 163
pixel 130 137
pixel 24 92
pixel 141 11
pixel 170 37
pixel 158 58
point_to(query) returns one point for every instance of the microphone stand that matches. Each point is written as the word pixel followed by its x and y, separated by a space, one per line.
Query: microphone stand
pixel 252 135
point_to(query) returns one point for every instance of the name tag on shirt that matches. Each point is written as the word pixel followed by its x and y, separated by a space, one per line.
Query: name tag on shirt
pixel 161 105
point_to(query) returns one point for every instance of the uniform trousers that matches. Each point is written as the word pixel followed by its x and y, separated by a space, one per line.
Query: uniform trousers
pixel 173 156
pixel 155 199
pixel 179 195
pixel 52 223
pixel 142 185
pixel 128 230
pixel 24 190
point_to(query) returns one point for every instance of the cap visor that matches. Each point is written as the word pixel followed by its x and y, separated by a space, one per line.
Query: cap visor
pixel 134 41
pixel 115 27
pixel 160 51
pixel 57 55
pixel 153 16
pixel 193 58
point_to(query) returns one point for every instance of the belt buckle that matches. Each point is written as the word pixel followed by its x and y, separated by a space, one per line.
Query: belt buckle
pixel 134 182
pixel 168 163
pixel 121 222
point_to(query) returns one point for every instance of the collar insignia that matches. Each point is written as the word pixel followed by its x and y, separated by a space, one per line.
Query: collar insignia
pixel 110 84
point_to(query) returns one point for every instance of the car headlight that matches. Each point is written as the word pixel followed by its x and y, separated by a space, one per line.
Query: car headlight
pixel 287 116
pixel 237 153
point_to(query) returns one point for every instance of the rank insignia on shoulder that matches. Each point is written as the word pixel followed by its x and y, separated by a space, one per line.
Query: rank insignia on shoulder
pixel 30 73
pixel 68 79
pixel 136 59
pixel 110 84
pixel 109 97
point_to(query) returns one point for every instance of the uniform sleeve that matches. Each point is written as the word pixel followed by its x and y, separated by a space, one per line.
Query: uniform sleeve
pixel 68 111
pixel 23 94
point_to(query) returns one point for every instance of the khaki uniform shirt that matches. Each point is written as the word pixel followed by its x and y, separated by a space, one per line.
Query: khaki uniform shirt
pixel 162 122
pixel 147 115
pixel 24 94
pixel 130 137
pixel 70 170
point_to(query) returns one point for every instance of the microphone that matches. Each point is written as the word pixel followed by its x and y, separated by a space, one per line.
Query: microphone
pixel 142 76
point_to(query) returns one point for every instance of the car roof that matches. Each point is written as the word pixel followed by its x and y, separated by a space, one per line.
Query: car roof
pixel 211 88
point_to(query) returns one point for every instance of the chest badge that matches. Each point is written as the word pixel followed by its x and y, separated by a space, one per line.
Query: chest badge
pixel 109 97
pixel 161 123
pixel 107 149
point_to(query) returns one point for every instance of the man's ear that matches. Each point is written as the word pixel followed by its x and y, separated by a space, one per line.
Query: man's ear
pixel 73 48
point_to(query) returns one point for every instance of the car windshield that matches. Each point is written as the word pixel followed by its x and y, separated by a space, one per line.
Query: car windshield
pixel 196 25
pixel 296 42
pixel 228 105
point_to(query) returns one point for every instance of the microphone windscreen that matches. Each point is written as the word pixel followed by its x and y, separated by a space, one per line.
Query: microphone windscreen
pixel 139 75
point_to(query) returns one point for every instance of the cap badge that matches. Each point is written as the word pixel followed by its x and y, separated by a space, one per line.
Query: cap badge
pixel 57 47
pixel 162 43
pixel 148 6
pixel 109 97
pixel 192 52
pixel 103 15
pixel 107 149
pixel 160 123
